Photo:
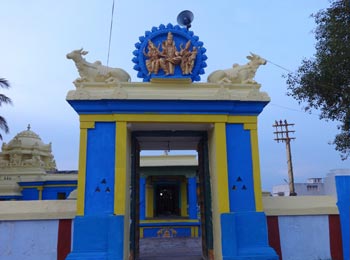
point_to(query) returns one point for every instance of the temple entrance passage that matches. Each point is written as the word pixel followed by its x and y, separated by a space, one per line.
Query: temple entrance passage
pixel 170 206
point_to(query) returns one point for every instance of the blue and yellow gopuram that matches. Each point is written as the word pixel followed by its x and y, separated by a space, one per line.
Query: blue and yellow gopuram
pixel 218 119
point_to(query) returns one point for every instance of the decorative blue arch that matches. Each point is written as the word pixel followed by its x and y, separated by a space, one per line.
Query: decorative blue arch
pixel 180 36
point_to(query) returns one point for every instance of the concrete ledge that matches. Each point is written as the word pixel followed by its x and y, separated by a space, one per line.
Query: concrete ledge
pixel 66 209
pixel 300 205
pixel 167 91
pixel 37 209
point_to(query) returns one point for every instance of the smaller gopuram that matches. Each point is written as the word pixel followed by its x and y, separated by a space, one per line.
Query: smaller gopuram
pixel 28 170
pixel 170 110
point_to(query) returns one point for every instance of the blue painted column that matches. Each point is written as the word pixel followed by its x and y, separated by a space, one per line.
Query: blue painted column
pixel 240 168
pixel 98 233
pixel 142 198
pixel 343 193
pixel 243 229
pixel 192 193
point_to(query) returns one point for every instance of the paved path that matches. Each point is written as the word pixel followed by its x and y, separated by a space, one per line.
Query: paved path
pixel 170 248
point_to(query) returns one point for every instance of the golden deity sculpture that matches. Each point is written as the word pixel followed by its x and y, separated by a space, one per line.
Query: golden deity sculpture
pixel 153 56
pixel 187 58
pixel 169 57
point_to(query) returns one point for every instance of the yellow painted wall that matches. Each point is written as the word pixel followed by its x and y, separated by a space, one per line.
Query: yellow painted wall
pixel 183 189
pixel 84 126
pixel 152 118
pixel 40 190
pixel 120 169
pixel 127 195
pixel 256 165
pixel 218 178
pixel 149 200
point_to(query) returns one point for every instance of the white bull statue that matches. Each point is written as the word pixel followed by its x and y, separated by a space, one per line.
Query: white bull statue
pixel 243 74
pixel 96 72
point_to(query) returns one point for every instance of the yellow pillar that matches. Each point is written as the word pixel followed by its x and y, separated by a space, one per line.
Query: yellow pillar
pixel 256 165
pixel 149 200
pixel 40 190
pixel 218 179
pixel 183 204
pixel 221 167
pixel 84 126
pixel 120 169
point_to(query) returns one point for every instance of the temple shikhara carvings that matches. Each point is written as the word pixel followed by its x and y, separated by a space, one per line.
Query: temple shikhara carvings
pixel 27 150
pixel 28 170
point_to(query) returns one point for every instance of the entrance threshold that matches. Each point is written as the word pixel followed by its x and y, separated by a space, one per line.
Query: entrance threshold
pixel 185 248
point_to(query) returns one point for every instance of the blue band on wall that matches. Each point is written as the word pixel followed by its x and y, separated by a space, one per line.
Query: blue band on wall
pixel 218 107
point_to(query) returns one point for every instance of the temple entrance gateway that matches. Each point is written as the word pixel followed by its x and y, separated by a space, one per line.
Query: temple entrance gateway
pixel 117 203
pixel 164 201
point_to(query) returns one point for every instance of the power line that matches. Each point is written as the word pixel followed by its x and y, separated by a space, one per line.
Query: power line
pixel 287 108
pixel 281 67
pixel 294 109
pixel 284 107
pixel 110 33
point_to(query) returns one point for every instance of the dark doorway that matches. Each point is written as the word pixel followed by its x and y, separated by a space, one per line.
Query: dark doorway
pixel 167 200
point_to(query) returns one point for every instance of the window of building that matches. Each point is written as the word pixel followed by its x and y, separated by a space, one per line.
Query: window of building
pixel 312 187
pixel 61 195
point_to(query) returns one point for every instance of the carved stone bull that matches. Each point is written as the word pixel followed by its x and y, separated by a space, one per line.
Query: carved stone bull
pixel 96 72
pixel 243 74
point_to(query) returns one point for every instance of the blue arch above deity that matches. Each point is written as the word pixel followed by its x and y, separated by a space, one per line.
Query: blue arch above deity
pixel 169 52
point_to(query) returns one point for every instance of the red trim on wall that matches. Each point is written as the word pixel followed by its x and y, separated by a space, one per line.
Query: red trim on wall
pixel 335 239
pixel 64 238
pixel 274 234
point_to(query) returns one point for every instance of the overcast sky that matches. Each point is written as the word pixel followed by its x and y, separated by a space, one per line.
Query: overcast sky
pixel 36 35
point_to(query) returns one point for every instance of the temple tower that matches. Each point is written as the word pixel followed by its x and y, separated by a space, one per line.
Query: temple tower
pixel 25 166
pixel 118 118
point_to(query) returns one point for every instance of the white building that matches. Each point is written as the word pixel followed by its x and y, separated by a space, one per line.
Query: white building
pixel 313 186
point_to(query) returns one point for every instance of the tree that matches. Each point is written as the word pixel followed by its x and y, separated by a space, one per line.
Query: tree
pixel 4 100
pixel 323 81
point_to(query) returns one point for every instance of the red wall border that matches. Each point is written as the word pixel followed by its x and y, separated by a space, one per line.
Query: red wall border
pixel 274 234
pixel 335 239
pixel 64 238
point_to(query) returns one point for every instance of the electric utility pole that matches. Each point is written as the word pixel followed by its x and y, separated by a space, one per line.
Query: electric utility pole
pixel 282 134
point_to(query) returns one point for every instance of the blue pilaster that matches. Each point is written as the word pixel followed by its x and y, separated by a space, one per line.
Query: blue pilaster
pixel 100 167
pixel 98 238
pixel 343 193
pixel 142 198
pixel 240 168
pixel 192 193
pixel 99 234
pixel 244 231
pixel 244 237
